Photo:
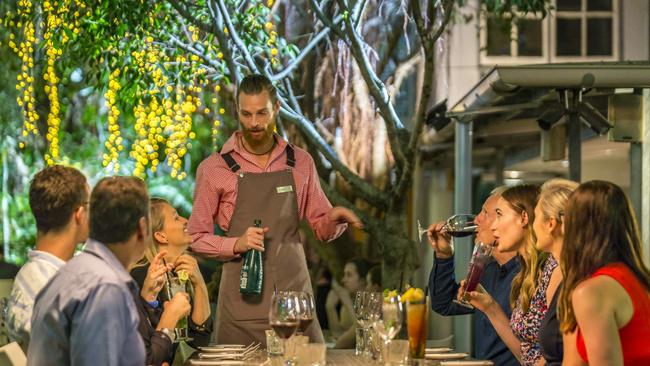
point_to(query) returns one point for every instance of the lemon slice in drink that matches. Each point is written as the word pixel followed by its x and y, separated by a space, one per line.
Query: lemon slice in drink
pixel 183 276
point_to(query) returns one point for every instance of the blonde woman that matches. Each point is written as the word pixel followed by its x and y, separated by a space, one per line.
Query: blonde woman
pixel 169 232
pixel 604 305
pixel 549 213
pixel 513 230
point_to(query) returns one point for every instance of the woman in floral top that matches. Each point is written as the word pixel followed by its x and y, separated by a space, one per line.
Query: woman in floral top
pixel 513 230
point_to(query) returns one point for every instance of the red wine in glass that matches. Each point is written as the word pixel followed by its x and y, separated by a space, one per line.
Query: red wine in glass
pixel 304 324
pixel 285 329
pixel 462 233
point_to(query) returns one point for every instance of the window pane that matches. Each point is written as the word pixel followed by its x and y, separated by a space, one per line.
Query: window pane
pixel 599 37
pixel 530 37
pixel 498 37
pixel 599 5
pixel 569 5
pixel 568 37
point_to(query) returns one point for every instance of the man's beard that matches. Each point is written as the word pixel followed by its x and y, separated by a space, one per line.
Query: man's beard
pixel 258 141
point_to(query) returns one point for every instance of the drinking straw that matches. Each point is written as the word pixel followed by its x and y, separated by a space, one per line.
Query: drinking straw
pixel 275 289
pixel 401 280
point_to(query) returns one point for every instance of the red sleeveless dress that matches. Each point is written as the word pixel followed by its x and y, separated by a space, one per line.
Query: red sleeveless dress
pixel 636 333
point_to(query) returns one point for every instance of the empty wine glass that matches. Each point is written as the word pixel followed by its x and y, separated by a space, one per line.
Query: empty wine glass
pixel 390 319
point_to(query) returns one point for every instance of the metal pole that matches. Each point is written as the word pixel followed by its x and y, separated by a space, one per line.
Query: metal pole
pixel 573 134
pixel 463 204
pixel 644 218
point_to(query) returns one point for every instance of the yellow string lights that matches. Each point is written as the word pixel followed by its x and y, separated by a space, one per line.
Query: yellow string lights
pixel 114 142
pixel 25 79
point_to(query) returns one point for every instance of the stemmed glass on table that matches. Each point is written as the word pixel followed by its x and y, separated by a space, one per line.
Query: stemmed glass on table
pixel 306 311
pixel 366 310
pixel 390 319
pixel 284 315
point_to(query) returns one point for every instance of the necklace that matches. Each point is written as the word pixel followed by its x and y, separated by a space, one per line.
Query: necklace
pixel 254 153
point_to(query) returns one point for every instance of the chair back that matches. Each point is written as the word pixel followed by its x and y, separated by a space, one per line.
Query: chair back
pixel 12 355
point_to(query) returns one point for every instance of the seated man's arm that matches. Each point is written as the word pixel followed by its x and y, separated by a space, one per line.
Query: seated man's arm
pixel 443 288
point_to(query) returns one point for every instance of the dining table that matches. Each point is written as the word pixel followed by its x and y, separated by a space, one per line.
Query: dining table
pixel 334 357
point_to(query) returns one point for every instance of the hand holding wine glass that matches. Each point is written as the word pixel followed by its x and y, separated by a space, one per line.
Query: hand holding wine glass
pixel 440 240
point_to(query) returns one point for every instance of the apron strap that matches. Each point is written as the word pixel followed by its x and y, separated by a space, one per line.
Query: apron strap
pixel 232 164
pixel 291 158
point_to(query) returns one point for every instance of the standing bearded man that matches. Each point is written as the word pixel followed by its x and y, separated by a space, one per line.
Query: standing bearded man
pixel 259 175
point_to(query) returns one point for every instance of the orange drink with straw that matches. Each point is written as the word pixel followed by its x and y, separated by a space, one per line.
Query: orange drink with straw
pixel 417 321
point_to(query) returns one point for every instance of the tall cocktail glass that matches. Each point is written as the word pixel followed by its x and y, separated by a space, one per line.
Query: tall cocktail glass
pixel 481 256
pixel 417 323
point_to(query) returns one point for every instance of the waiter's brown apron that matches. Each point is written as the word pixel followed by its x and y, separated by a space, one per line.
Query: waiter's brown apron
pixel 270 197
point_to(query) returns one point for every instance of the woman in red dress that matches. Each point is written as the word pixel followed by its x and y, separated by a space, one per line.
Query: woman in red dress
pixel 604 305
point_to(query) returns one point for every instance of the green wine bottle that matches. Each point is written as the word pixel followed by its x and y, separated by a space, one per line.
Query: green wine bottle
pixel 251 277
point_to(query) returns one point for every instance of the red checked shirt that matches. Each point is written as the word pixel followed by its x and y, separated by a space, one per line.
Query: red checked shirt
pixel 216 193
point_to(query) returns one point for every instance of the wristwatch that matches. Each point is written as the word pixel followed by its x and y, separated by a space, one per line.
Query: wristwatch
pixel 169 333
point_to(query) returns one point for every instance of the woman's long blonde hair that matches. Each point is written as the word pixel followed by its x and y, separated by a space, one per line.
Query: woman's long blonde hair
pixel 600 229
pixel 157 224
pixel 523 198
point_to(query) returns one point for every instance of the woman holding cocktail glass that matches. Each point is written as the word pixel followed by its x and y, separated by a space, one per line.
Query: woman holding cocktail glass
pixel 169 232
pixel 604 305
pixel 549 213
pixel 513 230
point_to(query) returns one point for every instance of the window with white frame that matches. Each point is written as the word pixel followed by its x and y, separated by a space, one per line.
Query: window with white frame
pixel 575 30
pixel 584 30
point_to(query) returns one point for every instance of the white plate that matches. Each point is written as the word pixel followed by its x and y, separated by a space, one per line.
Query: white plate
pixel 226 346
pixel 221 355
pixel 438 350
pixel 467 363
pixel 221 349
pixel 215 362
pixel 445 356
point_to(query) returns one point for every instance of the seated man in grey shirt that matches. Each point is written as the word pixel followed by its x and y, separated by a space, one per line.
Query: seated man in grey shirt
pixel 87 315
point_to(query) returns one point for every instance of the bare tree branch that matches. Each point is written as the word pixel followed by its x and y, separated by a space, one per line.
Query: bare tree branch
pixel 217 21
pixel 367 192
pixel 177 42
pixel 305 51
pixel 377 89
pixel 323 18
pixel 235 37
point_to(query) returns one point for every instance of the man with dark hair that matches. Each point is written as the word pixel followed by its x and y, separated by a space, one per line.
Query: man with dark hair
pixel 58 198
pixel 258 175
pixel 87 313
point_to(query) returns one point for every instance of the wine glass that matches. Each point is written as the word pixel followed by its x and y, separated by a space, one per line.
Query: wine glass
pixel 283 314
pixel 480 257
pixel 460 225
pixel 390 319
pixel 306 311
pixel 421 231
